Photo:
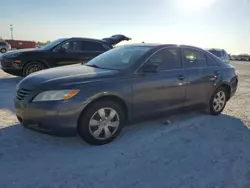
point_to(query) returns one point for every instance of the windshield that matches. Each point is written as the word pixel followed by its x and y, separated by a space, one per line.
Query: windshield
pixel 119 58
pixel 216 52
pixel 52 44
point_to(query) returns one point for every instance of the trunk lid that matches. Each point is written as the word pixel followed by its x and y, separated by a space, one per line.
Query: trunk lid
pixel 115 39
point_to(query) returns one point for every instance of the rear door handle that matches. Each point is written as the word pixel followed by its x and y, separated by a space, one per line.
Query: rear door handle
pixel 180 77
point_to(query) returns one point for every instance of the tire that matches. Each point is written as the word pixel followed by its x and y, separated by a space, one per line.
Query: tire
pixel 32 67
pixel 217 103
pixel 3 50
pixel 99 127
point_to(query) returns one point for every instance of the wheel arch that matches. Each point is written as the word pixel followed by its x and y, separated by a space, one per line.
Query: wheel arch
pixel 37 60
pixel 111 97
pixel 227 87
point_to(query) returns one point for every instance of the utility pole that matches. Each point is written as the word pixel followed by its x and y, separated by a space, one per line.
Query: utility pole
pixel 11 31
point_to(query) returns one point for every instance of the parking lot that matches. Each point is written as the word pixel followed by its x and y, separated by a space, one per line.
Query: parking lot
pixel 194 150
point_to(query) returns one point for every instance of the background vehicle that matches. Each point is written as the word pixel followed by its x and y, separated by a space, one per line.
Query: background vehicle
pixel 220 53
pixel 4 46
pixel 232 57
pixel 122 84
pixel 65 51
pixel 21 44
pixel 243 57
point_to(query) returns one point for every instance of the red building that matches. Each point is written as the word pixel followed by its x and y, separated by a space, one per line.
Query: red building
pixel 21 44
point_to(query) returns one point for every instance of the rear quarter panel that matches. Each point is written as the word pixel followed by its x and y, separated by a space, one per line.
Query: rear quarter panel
pixel 230 78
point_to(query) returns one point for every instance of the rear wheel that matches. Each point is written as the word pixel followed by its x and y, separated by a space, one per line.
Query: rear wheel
pixel 3 50
pixel 218 101
pixel 32 67
pixel 101 123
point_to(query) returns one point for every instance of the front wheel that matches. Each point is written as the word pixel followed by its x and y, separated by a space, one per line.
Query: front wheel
pixel 32 67
pixel 101 123
pixel 218 101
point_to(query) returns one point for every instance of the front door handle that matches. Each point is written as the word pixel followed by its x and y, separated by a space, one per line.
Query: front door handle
pixel 180 77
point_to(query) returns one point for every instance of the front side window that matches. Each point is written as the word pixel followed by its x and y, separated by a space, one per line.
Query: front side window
pixel 194 58
pixel 119 58
pixel 167 59
pixel 52 44
pixel 72 46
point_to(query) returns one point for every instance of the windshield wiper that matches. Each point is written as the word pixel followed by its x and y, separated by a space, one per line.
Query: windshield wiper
pixel 96 66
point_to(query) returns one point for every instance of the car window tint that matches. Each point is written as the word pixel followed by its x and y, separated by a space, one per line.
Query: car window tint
pixel 224 53
pixel 216 52
pixel 210 61
pixel 194 58
pixel 167 59
pixel 2 43
pixel 72 46
pixel 92 46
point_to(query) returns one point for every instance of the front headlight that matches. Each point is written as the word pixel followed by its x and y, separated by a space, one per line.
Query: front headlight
pixel 55 95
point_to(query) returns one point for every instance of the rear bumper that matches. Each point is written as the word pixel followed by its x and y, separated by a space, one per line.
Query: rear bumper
pixel 54 118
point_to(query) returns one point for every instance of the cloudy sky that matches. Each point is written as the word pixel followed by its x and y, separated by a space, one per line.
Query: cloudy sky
pixel 204 23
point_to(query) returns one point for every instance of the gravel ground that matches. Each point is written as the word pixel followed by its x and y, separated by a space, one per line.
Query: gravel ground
pixel 195 150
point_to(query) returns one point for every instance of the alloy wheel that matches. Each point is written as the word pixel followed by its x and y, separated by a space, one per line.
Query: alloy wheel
pixel 219 101
pixel 33 68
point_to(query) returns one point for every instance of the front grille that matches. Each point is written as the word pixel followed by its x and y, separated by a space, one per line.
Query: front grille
pixel 22 93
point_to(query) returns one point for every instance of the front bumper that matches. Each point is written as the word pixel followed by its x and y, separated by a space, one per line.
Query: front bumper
pixel 11 67
pixel 53 117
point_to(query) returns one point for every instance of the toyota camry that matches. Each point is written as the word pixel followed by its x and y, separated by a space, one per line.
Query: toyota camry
pixel 97 99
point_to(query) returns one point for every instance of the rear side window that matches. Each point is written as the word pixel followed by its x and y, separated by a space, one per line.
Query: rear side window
pixel 224 53
pixel 167 59
pixel 216 52
pixel 210 61
pixel 193 58
pixel 92 46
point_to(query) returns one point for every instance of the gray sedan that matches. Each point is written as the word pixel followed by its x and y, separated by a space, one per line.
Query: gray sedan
pixel 97 99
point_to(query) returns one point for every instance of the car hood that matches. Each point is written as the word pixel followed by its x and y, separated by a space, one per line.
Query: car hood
pixel 21 51
pixel 66 76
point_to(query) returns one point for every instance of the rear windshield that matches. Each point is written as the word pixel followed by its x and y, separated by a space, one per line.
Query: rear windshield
pixel 216 53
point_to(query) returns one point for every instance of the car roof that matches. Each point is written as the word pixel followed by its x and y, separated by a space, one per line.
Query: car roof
pixel 148 44
pixel 216 49
pixel 83 38
pixel 163 45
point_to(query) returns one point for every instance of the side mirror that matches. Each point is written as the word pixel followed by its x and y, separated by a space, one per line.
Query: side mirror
pixel 150 68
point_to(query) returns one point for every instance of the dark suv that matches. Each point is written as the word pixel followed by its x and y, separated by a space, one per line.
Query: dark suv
pixel 65 51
